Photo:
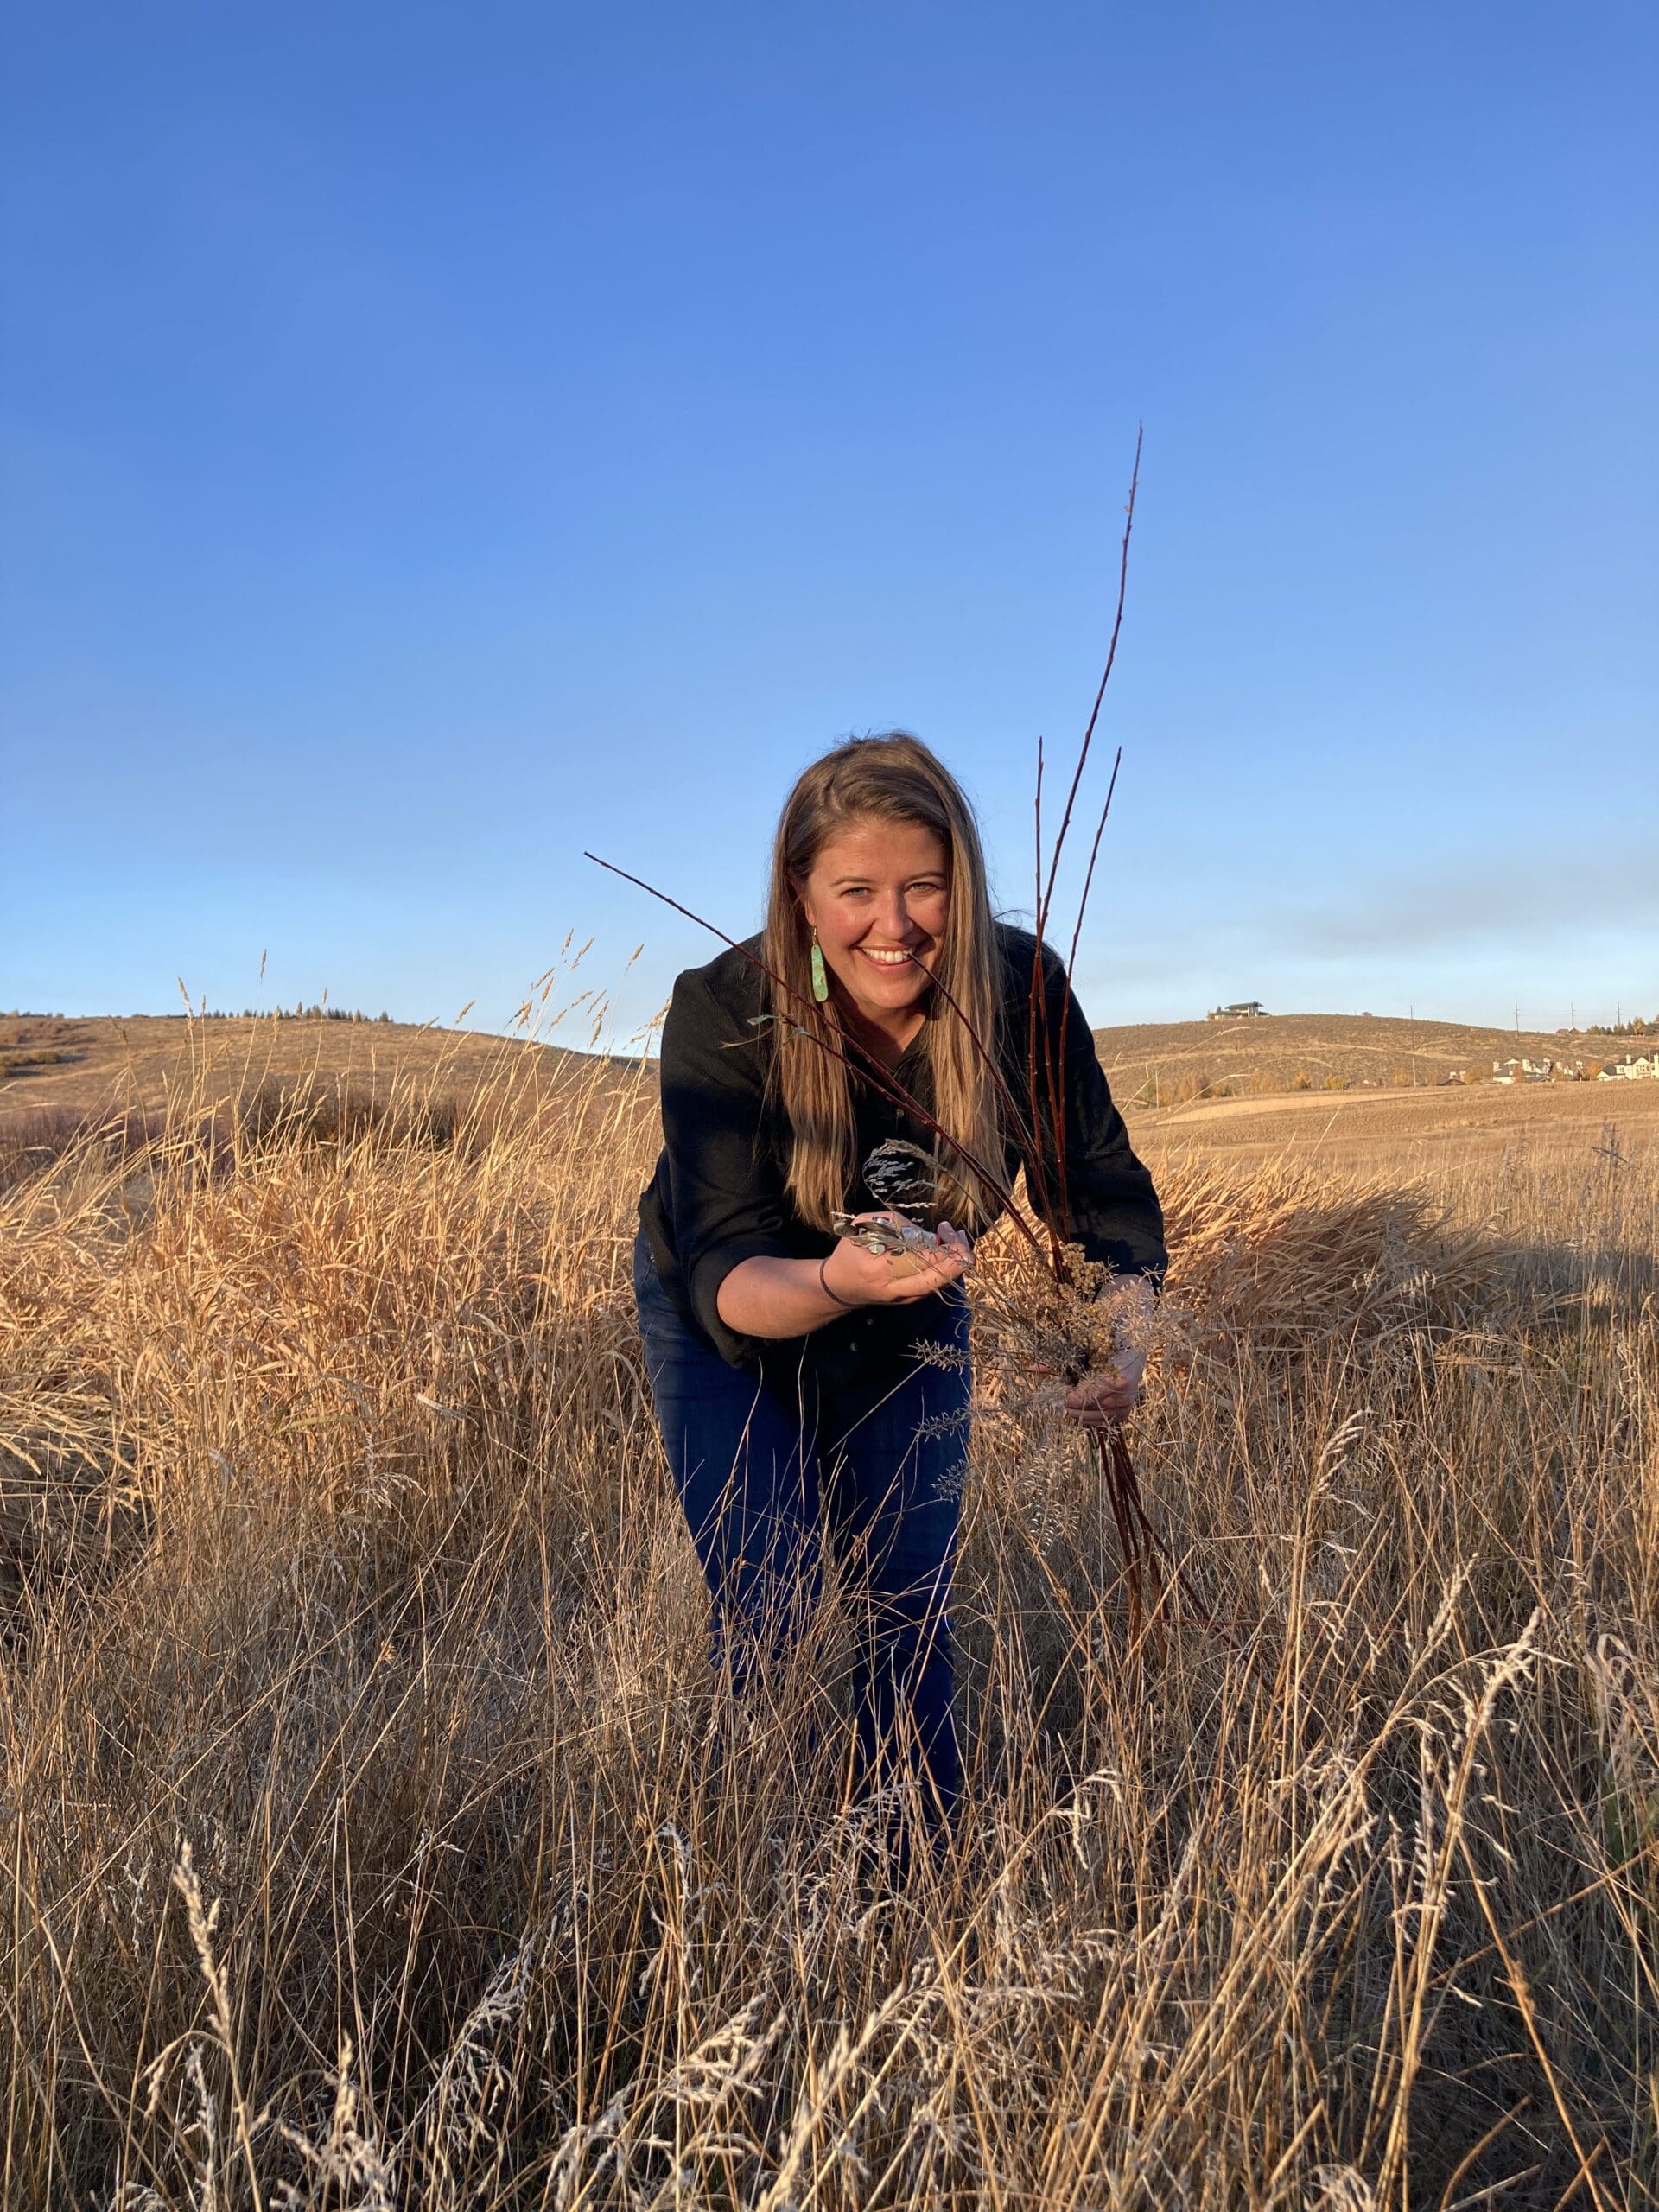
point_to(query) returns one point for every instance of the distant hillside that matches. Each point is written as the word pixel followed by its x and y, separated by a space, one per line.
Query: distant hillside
pixel 1168 1061
pixel 83 1064
pixel 78 1065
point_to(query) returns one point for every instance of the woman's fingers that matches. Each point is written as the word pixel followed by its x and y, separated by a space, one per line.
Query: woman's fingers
pixel 954 1256
pixel 1102 1400
pixel 1114 1402
pixel 955 1240
pixel 900 1278
pixel 1099 1420
pixel 916 1274
pixel 927 1277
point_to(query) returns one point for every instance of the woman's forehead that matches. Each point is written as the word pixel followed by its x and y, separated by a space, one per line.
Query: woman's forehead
pixel 867 846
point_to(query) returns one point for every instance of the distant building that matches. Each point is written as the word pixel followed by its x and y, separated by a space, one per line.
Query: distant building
pixel 1523 1070
pixel 1631 1067
pixel 1245 1010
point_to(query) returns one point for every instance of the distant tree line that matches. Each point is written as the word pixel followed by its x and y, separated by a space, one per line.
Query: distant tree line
pixel 299 1012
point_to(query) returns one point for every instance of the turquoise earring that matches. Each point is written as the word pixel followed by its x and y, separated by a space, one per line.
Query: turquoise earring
pixel 820 980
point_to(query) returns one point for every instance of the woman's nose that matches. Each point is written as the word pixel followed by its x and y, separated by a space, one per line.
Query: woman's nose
pixel 895 918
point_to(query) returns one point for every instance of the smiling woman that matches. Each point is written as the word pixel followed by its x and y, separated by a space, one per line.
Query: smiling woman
pixel 878 859
pixel 792 1365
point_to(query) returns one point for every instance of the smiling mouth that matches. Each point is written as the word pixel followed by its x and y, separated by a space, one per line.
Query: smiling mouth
pixel 887 957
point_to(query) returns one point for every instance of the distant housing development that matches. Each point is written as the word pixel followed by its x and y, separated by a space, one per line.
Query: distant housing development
pixel 1244 1010
pixel 1629 1067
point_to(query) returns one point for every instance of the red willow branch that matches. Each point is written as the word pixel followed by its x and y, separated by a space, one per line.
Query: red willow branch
pixel 1045 1054
pixel 1055 1216
pixel 1141 1542
pixel 1106 677
pixel 1055 1061
pixel 873 1072
pixel 1039 1056
pixel 1024 1135
pixel 1036 811
pixel 1094 854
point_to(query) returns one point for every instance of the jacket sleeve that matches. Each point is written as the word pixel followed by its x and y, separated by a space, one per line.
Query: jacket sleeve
pixel 725 1190
pixel 1111 1205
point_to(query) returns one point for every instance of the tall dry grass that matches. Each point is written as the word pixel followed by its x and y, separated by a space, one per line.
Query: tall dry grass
pixel 368 1843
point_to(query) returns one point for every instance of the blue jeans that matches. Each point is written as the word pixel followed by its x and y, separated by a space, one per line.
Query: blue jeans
pixel 771 1465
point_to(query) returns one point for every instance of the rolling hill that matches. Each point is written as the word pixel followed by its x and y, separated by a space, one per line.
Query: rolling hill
pixel 1173 1061
pixel 81 1064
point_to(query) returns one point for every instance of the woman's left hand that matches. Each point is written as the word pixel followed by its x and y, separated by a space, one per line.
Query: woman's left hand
pixel 1102 1400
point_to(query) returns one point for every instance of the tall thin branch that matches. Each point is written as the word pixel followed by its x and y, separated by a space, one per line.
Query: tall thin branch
pixel 1022 1133
pixel 1106 677
pixel 1088 880
pixel 1037 810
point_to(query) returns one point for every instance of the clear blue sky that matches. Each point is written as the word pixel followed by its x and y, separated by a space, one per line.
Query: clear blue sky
pixel 438 438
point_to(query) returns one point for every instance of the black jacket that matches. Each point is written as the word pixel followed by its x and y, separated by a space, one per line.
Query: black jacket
pixel 717 1197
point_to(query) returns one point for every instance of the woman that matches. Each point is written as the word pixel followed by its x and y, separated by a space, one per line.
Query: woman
pixel 784 1360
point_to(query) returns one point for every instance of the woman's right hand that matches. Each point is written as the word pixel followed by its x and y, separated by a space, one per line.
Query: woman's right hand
pixel 863 1278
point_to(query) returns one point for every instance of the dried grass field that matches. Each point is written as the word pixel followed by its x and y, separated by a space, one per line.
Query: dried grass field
pixel 367 1844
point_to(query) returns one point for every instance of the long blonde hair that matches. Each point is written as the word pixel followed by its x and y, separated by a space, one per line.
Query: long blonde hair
pixel 896 778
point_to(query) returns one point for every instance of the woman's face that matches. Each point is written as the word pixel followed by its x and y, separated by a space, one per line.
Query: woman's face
pixel 878 891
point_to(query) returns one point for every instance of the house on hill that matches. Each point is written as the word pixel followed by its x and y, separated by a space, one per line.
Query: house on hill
pixel 1244 1010
pixel 1630 1067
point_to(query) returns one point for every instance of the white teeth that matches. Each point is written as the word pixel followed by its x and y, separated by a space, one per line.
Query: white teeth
pixel 886 959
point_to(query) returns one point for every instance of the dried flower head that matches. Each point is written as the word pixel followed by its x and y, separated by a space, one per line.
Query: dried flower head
pixel 901 1176
pixel 1028 1320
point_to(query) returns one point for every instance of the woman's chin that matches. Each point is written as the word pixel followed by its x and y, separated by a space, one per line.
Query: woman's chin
pixel 880 998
